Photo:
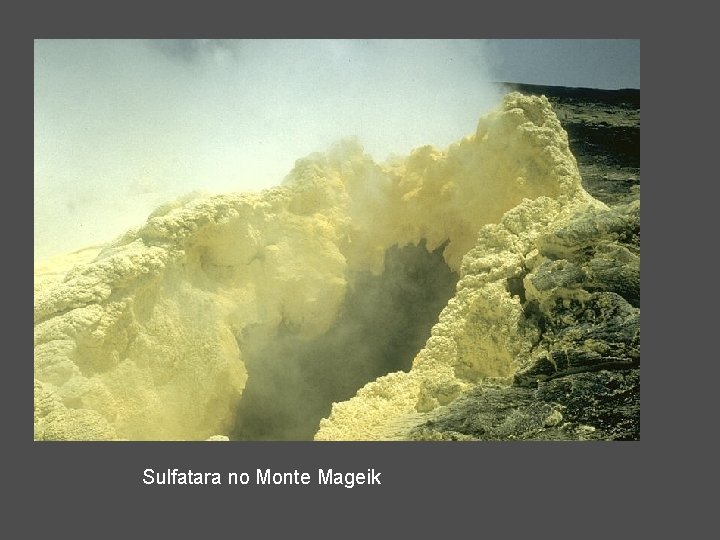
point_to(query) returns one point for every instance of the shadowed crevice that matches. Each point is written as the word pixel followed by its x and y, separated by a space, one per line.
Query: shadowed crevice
pixel 384 321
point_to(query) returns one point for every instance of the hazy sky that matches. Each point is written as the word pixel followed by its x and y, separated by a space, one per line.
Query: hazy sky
pixel 592 63
pixel 122 126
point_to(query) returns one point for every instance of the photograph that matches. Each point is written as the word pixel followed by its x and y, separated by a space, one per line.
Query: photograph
pixel 336 240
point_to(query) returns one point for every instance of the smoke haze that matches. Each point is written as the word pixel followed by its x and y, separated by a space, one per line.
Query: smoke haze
pixel 123 126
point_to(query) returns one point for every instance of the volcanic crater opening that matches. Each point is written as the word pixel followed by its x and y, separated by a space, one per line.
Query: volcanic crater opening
pixel 383 322
pixel 248 315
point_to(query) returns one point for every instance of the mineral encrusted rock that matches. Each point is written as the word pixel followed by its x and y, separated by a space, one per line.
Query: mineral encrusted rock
pixel 582 291
pixel 146 340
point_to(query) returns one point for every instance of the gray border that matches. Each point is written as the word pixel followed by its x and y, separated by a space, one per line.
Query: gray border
pixel 562 488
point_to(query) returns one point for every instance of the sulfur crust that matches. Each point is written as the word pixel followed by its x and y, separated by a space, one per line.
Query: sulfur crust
pixel 145 341
pixel 481 334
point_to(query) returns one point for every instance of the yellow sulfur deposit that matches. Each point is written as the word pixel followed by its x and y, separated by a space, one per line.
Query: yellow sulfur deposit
pixel 146 341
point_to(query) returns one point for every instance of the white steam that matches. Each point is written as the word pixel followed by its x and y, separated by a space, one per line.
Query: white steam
pixel 123 126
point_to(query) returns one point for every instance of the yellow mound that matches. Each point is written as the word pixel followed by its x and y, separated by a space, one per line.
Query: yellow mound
pixel 146 340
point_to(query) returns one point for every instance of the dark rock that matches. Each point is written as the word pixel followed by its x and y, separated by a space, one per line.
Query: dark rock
pixel 603 405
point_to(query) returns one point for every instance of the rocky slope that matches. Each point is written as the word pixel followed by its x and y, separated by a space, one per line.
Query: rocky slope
pixel 237 313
